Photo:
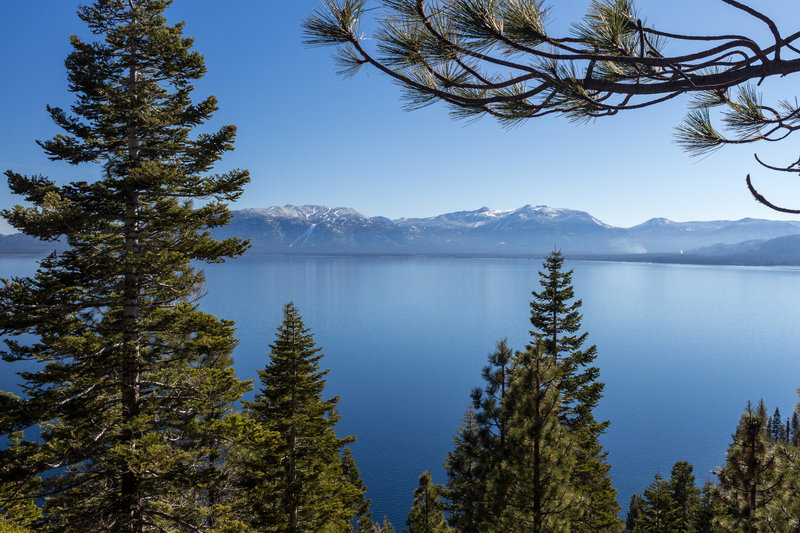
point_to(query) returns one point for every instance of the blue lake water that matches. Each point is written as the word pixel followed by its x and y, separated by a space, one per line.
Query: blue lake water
pixel 681 350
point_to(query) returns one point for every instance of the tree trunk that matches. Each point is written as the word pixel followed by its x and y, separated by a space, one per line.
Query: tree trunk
pixel 131 361
pixel 293 513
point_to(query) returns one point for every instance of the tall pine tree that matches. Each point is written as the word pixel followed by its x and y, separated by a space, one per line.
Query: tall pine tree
pixel 556 321
pixel 359 504
pixel 466 478
pixel 539 456
pixel 133 379
pixel 298 485
pixel 658 513
pixel 634 510
pixel 750 479
pixel 511 467
pixel 427 511
pixel 685 494
pixel 476 483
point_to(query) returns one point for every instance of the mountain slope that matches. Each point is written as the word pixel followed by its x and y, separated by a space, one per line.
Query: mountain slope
pixel 526 231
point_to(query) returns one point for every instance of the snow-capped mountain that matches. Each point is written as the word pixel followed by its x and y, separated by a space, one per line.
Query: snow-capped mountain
pixel 662 235
pixel 528 230
pixel 293 229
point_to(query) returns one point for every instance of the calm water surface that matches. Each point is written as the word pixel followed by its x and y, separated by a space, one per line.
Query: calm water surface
pixel 681 350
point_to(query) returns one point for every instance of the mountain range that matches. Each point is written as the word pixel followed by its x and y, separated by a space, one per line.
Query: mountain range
pixel 525 231
pixel 528 230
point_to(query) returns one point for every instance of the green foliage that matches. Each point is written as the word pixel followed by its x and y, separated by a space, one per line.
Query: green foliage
pixel 17 484
pixel 659 512
pixel 427 511
pixel 556 321
pixel 7 527
pixel 527 458
pixel 476 483
pixel 703 515
pixel 750 479
pixel 511 467
pixel 539 456
pixel 133 380
pixel 296 476
pixel 675 505
pixel 685 495
pixel 466 478
pixel 359 504
pixel 383 527
pixel 634 510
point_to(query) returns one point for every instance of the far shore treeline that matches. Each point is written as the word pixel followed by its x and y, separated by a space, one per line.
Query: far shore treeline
pixel 131 416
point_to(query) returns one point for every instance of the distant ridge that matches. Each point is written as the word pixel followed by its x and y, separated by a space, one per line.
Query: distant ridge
pixel 530 230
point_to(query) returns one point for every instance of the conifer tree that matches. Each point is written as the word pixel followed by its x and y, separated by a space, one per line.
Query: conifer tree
pixel 658 513
pixel 467 473
pixel 556 320
pixel 299 485
pixel 777 429
pixel 17 508
pixel 749 480
pixel 501 58
pixel 427 511
pixel 685 495
pixel 483 447
pixel 703 513
pixel 510 470
pixel 383 527
pixel 539 456
pixel 761 410
pixel 782 512
pixel 795 432
pixel 509 439
pixel 488 402
pixel 634 509
pixel 359 504
pixel 134 381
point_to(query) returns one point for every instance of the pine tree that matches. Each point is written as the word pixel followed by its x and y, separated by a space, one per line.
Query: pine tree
pixel 540 454
pixel 634 509
pixel 359 504
pixel 299 485
pixel 480 448
pixel 466 478
pixel 761 410
pixel 685 495
pixel 17 508
pixel 556 320
pixel 134 380
pixel 427 511
pixel 794 433
pixel 777 433
pixel 750 479
pixel 782 511
pixel 703 513
pixel 658 513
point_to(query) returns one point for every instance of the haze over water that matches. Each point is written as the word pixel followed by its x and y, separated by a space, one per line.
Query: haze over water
pixel 681 350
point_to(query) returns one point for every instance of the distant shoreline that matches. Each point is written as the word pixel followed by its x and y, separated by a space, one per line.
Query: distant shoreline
pixel 656 258
pixel 678 259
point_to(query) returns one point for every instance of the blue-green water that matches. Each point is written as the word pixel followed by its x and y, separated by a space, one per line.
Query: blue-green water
pixel 681 350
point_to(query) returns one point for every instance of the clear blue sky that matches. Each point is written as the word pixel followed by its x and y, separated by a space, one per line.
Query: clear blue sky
pixel 311 137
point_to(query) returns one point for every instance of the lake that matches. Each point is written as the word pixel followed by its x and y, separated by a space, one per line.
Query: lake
pixel 681 350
